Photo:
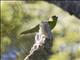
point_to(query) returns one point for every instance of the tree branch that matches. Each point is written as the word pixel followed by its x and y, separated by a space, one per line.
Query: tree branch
pixel 41 49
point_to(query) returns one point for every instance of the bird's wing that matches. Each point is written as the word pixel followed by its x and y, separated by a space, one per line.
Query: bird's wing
pixel 53 22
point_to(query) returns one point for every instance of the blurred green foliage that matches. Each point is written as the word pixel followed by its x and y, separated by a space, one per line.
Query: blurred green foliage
pixel 18 16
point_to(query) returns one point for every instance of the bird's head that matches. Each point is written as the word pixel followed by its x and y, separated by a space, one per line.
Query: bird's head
pixel 54 17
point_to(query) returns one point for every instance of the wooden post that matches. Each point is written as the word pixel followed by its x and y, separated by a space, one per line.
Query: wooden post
pixel 41 49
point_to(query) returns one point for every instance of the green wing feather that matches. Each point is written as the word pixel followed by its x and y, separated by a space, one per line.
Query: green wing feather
pixel 36 28
pixel 53 22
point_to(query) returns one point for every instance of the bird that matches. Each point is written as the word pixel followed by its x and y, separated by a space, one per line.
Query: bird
pixel 52 24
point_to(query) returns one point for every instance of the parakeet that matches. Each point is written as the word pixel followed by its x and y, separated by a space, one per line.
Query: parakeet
pixel 43 36
pixel 36 28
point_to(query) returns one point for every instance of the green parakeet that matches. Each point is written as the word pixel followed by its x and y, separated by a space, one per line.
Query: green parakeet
pixel 36 28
